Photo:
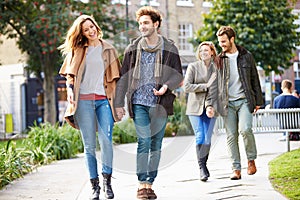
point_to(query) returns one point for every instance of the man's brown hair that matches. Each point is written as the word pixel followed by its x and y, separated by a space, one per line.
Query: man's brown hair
pixel 286 84
pixel 228 30
pixel 153 13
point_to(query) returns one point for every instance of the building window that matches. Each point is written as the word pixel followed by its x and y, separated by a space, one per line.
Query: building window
pixel 186 3
pixel 207 4
pixel 297 70
pixel 149 3
pixel 121 2
pixel 185 33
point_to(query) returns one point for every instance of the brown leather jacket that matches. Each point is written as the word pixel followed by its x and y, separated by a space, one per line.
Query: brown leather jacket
pixel 74 65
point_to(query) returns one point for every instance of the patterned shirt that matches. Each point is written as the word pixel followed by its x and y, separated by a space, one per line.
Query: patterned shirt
pixel 144 94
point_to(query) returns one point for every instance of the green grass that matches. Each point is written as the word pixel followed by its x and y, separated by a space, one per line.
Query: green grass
pixel 285 174
pixel 19 143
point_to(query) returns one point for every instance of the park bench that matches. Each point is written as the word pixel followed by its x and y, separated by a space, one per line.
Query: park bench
pixel 285 120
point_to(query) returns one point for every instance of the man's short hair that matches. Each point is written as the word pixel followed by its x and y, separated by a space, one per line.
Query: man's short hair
pixel 286 83
pixel 228 30
pixel 153 13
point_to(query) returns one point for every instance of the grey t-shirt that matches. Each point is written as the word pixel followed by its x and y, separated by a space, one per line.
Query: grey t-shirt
pixel 235 86
pixel 92 81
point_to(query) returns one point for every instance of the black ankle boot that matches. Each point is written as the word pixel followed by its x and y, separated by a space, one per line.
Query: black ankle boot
pixel 109 194
pixel 203 174
pixel 96 189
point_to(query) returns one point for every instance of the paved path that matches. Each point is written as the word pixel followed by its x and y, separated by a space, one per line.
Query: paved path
pixel 178 177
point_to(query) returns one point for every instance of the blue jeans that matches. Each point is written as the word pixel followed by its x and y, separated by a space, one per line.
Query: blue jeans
pixel 239 121
pixel 203 127
pixel 150 129
pixel 92 114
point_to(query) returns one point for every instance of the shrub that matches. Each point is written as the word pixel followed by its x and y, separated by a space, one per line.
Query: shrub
pixel 13 165
pixel 43 144
pixel 124 132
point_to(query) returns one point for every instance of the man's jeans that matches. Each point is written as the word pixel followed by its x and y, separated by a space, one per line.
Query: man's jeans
pixel 150 129
pixel 203 127
pixel 89 115
pixel 239 121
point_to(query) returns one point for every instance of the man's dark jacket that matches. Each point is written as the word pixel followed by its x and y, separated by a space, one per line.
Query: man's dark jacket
pixel 248 76
pixel 171 76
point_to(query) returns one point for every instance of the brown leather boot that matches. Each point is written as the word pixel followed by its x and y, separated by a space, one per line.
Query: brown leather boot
pixel 251 167
pixel 236 175
pixel 151 194
pixel 142 194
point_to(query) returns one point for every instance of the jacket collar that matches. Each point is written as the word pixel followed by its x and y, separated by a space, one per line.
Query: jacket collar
pixel 240 49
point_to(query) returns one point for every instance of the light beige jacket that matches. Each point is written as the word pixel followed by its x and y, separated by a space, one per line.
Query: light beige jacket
pixel 195 84
pixel 73 68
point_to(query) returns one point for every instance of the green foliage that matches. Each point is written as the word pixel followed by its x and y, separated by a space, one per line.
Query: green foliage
pixel 12 163
pixel 40 27
pixel 179 124
pixel 40 30
pixel 266 28
pixel 124 132
pixel 284 174
pixel 44 144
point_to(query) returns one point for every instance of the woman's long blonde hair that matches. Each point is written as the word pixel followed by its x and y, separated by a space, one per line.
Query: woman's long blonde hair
pixel 75 37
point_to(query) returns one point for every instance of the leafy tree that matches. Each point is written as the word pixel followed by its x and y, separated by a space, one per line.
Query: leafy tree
pixel 266 28
pixel 40 27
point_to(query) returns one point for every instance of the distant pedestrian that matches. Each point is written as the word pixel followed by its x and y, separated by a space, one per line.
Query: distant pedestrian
pixel 286 100
pixel 239 95
pixel 198 79
pixel 92 69
pixel 151 69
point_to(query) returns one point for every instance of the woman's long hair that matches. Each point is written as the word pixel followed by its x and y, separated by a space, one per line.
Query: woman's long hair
pixel 75 38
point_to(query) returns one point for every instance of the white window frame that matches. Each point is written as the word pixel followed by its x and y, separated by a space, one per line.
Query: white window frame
pixel 120 1
pixel 207 4
pixel 151 2
pixel 184 34
pixel 185 3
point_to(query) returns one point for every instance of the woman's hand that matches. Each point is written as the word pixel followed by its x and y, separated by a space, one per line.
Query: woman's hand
pixel 70 95
pixel 120 112
pixel 210 111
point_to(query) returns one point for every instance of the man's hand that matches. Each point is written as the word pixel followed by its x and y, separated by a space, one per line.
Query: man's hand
pixel 210 111
pixel 161 91
pixel 120 112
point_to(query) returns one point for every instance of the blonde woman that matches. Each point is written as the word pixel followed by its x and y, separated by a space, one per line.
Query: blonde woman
pixel 91 68
pixel 198 79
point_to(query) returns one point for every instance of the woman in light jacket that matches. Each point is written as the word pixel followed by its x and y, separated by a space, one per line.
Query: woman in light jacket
pixel 198 80
pixel 91 68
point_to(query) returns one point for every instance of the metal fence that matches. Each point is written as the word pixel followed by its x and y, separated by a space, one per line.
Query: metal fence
pixel 272 120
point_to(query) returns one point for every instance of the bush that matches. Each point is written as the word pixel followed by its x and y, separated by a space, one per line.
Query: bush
pixel 124 132
pixel 179 124
pixel 13 165
pixel 46 143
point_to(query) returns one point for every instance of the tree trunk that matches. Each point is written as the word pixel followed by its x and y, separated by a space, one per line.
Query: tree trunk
pixel 50 112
